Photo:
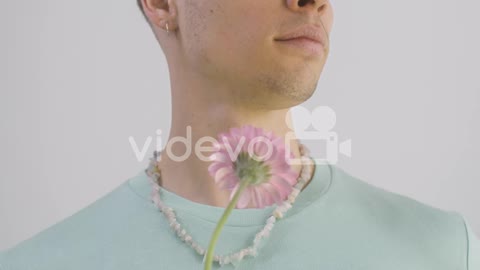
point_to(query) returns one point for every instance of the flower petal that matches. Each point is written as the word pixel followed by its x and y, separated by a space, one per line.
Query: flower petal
pixel 222 173
pixel 229 182
pixel 244 199
pixel 236 132
pixel 274 194
pixel 230 145
pixel 266 195
pixel 269 134
pixel 282 187
pixel 220 157
pixel 258 194
pixel 214 167
pixel 261 148
pixel 232 193
pixel 290 176
pixel 277 166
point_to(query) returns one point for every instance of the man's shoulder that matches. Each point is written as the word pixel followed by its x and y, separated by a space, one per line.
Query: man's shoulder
pixel 400 218
pixel 396 208
pixel 79 237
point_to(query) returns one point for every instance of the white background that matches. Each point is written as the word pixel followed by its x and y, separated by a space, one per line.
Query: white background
pixel 79 77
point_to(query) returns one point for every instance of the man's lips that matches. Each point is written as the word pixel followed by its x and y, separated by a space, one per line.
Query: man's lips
pixel 307 38
pixel 308 31
pixel 302 39
pixel 306 45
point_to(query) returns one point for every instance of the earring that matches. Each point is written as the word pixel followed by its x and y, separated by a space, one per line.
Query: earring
pixel 166 25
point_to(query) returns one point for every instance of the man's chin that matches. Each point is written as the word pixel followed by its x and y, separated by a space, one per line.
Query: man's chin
pixel 300 94
pixel 289 98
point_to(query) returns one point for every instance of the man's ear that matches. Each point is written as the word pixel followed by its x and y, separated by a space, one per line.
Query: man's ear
pixel 160 12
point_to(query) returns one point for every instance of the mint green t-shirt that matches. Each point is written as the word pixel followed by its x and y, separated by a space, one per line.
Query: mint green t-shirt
pixel 339 222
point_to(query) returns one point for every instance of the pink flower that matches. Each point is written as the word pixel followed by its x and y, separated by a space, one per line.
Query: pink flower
pixel 250 154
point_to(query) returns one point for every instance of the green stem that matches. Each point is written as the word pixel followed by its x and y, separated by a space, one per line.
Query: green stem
pixel 221 222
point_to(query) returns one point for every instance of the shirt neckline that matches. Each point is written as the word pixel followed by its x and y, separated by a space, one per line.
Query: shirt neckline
pixel 248 217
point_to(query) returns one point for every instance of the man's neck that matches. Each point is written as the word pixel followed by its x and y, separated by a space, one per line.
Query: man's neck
pixel 189 178
pixel 210 107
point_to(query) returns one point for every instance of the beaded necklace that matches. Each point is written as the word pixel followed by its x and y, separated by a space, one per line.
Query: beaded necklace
pixel 305 176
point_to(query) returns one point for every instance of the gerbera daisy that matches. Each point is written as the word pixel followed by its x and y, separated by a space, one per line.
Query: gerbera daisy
pixel 258 157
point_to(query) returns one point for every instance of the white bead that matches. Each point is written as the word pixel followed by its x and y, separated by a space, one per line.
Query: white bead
pixel 269 226
pixel 278 214
pixel 271 219
pixel 236 256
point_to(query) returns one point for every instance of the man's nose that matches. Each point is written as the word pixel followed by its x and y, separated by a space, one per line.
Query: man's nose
pixel 299 5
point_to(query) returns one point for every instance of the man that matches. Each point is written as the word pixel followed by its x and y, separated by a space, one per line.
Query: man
pixel 232 63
